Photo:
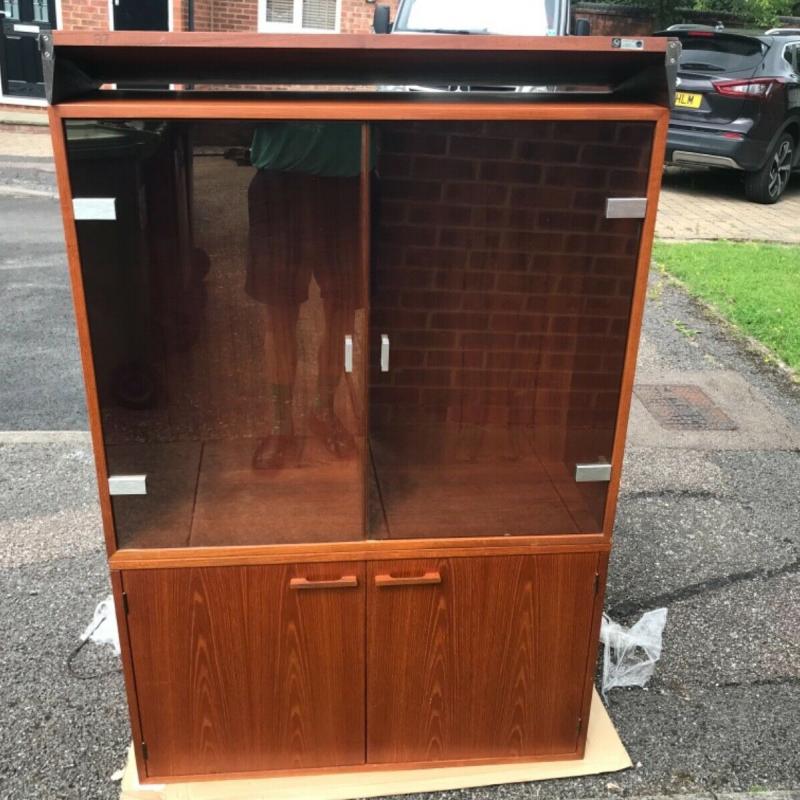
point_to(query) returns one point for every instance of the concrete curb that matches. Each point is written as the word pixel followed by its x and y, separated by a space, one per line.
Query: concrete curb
pixel 22 118
pixel 755 794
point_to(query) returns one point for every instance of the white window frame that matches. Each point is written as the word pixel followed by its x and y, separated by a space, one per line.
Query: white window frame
pixel 294 27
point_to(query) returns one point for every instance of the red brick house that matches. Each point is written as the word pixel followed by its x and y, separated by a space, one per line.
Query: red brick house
pixel 20 76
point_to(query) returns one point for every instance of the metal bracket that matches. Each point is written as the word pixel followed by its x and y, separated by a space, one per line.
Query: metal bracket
pixel 68 81
pixel 127 484
pixel 94 208
pixel 384 353
pixel 626 207
pixel 348 353
pixel 589 473
pixel 672 57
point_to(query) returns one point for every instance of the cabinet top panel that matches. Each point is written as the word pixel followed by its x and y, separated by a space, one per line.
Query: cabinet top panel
pixel 77 64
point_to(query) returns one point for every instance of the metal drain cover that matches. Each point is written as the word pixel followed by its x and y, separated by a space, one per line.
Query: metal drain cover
pixel 682 407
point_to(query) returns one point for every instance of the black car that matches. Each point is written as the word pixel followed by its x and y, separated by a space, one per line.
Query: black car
pixel 737 105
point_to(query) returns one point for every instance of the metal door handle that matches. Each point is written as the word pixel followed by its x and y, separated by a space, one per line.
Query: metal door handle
pixel 412 580
pixel 348 353
pixel 384 353
pixel 345 582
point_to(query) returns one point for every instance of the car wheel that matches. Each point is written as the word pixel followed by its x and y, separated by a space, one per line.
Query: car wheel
pixel 767 184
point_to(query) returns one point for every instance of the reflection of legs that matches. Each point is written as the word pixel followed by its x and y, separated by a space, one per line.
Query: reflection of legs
pixel 339 321
pixel 280 344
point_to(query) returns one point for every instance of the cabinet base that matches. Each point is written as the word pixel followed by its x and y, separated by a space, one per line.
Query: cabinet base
pixel 604 753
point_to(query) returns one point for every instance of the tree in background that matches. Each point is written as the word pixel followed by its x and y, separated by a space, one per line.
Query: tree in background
pixel 763 13
pixel 759 13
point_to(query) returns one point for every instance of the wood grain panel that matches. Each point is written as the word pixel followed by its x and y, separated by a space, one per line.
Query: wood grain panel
pixel 338 42
pixel 238 672
pixel 591 649
pixel 180 558
pixel 350 109
pixel 488 663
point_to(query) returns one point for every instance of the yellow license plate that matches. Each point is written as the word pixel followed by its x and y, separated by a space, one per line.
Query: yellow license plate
pixel 688 100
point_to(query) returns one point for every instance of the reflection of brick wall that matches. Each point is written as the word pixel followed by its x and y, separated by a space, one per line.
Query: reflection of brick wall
pixel 504 289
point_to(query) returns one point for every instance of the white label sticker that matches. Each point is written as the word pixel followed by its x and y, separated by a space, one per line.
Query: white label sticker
pixel 127 484
pixel 86 208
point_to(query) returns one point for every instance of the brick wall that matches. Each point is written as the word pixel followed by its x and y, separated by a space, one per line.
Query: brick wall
pixel 610 20
pixel 235 15
pixel 505 290
pixel 202 15
pixel 85 15
pixel 211 15
pixel 357 15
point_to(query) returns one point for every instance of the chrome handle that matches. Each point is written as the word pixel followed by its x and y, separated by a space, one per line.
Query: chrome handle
pixel 348 353
pixel 384 353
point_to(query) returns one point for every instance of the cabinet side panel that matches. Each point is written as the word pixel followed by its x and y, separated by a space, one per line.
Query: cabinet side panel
pixel 127 670
pixel 592 647
pixel 488 663
pixel 237 671
pixel 82 325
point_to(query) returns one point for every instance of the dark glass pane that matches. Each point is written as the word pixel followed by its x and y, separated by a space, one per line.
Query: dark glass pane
pixel 504 293
pixel 719 52
pixel 221 300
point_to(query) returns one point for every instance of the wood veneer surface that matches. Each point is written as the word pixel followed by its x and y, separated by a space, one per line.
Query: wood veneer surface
pixel 488 663
pixel 235 671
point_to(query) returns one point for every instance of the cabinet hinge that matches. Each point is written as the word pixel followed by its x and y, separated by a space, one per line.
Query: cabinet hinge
pixel 596 582
pixel 144 750
pixel 580 722
pixel 125 602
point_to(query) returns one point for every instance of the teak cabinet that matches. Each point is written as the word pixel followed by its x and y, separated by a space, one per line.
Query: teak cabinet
pixel 358 368
pixel 267 666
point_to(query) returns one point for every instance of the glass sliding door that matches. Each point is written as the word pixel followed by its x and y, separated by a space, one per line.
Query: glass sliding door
pixel 500 298
pixel 225 280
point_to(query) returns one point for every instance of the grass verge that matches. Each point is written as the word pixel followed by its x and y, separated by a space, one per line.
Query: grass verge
pixel 754 286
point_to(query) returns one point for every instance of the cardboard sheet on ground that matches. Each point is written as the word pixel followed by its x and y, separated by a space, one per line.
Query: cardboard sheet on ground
pixel 604 753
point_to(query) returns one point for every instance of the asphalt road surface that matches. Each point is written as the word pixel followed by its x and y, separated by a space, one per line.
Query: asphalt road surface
pixel 711 531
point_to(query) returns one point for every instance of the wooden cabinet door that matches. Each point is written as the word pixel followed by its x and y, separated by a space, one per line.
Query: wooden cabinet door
pixel 477 657
pixel 251 668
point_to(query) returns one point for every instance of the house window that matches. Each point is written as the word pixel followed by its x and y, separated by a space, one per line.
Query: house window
pixel 40 11
pixel 11 8
pixel 299 15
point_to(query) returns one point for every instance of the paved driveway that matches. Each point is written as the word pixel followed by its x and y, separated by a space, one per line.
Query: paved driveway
pixel 710 204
